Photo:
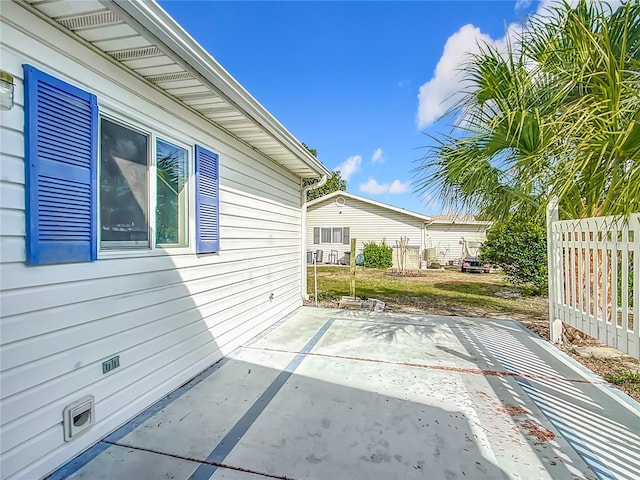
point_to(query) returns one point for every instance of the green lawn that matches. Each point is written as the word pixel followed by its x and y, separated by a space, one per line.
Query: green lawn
pixel 448 292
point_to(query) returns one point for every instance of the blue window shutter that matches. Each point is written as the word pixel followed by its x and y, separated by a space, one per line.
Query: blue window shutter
pixel 61 133
pixel 207 201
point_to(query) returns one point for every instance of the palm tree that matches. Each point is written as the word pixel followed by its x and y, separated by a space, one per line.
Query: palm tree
pixel 556 114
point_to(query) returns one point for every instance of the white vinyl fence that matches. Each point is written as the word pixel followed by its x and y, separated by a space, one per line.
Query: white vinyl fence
pixel 594 278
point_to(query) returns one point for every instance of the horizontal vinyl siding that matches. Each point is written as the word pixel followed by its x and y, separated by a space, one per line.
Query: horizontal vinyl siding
pixel 367 223
pixel 167 316
pixel 446 238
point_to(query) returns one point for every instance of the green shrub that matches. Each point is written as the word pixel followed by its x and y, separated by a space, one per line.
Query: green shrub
pixel 518 245
pixel 377 256
pixel 620 377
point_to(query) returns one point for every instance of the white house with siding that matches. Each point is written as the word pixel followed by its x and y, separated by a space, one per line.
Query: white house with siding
pixel 335 218
pixel 446 234
pixel 151 221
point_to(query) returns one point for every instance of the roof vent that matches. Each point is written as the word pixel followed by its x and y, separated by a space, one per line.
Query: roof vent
pixel 136 53
pixel 196 96
pixel 92 20
pixel 170 77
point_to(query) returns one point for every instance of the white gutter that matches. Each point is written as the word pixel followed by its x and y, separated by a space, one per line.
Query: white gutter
pixel 303 236
pixel 176 42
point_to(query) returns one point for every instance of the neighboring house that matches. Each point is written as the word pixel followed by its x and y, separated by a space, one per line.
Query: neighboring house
pixel 334 219
pixel 151 221
pixel 446 234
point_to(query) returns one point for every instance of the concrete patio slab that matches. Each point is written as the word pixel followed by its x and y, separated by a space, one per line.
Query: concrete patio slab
pixel 123 462
pixel 221 403
pixel 334 394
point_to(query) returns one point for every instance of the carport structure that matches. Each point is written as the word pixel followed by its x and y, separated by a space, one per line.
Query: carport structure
pixel 341 395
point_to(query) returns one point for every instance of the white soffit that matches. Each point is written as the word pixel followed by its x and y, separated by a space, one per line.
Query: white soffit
pixel 145 39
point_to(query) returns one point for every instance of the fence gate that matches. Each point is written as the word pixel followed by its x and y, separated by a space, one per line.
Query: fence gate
pixel 594 278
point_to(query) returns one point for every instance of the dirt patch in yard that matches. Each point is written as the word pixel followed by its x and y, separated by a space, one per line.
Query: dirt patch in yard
pixel 451 292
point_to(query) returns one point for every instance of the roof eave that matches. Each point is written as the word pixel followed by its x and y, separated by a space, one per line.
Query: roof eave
pixel 175 40
pixel 409 213
pixel 462 222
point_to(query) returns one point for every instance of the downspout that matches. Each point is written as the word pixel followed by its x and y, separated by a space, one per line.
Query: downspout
pixel 303 236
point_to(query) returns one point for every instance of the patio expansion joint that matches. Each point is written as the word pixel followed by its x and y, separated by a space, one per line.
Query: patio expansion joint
pixel 198 460
pixel 460 322
pixel 471 371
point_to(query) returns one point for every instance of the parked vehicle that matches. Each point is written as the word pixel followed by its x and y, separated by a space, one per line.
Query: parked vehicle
pixel 472 264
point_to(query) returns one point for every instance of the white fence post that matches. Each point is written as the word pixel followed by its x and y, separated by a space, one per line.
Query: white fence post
pixel 553 266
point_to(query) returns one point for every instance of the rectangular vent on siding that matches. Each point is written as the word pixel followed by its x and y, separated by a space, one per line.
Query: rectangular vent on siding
pixel 136 53
pixel 78 417
pixel 92 20
pixel 169 77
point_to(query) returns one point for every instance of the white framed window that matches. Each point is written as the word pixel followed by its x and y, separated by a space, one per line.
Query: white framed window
pixel 336 236
pixel 331 235
pixel 124 186
pixel 143 179
pixel 325 235
pixel 172 178
pixel 105 180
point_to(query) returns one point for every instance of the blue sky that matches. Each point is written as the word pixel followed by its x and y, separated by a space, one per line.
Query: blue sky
pixel 361 82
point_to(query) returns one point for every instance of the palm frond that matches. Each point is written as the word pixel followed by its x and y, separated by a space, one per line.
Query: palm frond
pixel 557 113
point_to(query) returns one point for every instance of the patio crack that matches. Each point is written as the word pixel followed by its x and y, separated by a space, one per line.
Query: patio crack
pixel 201 461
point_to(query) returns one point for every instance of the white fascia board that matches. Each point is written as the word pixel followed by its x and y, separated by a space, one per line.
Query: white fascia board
pixel 165 31
pixel 462 222
pixel 425 218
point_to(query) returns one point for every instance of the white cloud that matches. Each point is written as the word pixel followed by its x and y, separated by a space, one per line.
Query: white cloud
pixel 545 4
pixel 350 166
pixel 398 187
pixel 613 4
pixel 521 4
pixel 374 188
pixel 377 156
pixel 444 89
